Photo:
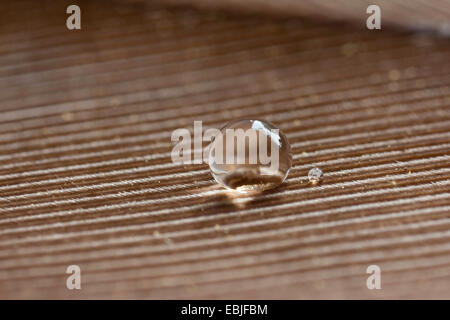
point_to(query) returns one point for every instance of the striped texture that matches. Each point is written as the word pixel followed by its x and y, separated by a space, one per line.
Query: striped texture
pixel 86 176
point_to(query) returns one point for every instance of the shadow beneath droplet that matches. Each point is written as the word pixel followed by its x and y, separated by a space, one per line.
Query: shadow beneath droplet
pixel 232 199
pixel 258 197
pixel 242 200
pixel 221 197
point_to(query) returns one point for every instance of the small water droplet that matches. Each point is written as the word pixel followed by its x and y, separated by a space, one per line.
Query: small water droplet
pixel 315 175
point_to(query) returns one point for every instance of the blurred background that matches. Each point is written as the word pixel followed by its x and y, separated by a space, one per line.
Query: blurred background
pixel 86 176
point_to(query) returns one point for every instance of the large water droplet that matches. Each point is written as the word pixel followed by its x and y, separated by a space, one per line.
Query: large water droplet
pixel 250 156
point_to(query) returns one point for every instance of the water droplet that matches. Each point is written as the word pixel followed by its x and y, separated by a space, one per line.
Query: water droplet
pixel 249 156
pixel 315 175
